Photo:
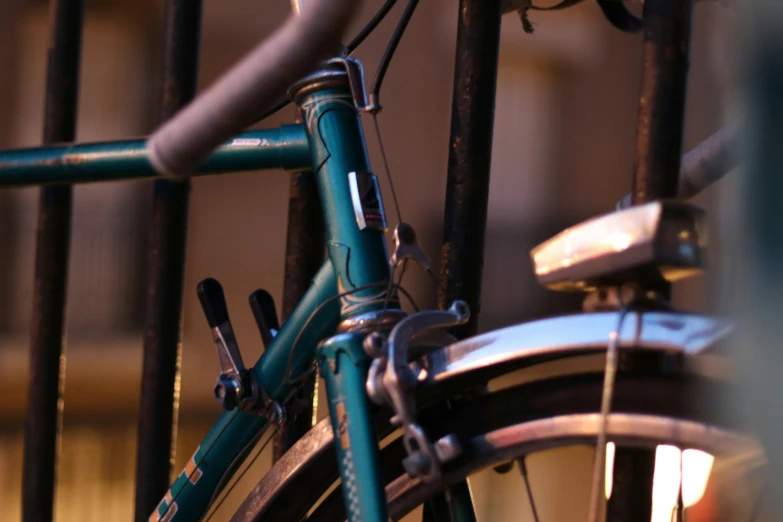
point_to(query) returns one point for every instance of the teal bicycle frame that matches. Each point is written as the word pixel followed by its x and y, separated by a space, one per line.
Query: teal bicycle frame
pixel 331 142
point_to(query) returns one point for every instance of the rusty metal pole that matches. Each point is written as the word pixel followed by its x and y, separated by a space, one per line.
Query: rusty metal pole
pixel 467 189
pixel 47 361
pixel 667 30
pixel 470 151
pixel 304 254
pixel 166 267
pixel 659 128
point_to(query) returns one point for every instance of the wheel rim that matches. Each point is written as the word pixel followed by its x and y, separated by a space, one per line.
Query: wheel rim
pixel 510 442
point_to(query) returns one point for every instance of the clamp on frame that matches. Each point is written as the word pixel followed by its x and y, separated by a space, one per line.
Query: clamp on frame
pixel 391 381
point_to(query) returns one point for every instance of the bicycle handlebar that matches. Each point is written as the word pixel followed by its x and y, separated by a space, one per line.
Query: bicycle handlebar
pixel 252 85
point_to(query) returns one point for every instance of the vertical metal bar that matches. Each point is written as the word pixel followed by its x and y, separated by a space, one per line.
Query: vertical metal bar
pixel 467 186
pixel 10 11
pixel 632 485
pixel 454 504
pixel 667 30
pixel 304 255
pixel 162 335
pixel 470 151
pixel 47 362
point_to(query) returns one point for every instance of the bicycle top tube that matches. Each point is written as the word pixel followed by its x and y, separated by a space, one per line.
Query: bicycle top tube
pixel 283 147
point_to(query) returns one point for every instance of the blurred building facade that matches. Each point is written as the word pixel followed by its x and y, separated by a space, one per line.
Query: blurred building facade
pixel 564 137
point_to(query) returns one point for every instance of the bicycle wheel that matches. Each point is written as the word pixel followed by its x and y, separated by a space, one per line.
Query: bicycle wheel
pixel 504 425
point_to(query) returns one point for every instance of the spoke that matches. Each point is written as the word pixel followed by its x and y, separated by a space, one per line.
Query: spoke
pixel 523 470
pixel 680 511
pixel 453 504
pixel 599 464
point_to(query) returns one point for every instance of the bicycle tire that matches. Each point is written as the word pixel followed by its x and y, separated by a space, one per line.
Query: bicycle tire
pixel 310 470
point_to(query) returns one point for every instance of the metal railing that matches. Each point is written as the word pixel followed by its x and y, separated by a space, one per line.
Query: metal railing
pixel 659 131
pixel 166 249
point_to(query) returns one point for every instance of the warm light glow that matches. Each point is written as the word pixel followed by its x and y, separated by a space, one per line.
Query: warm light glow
pixel 696 466
pixel 609 469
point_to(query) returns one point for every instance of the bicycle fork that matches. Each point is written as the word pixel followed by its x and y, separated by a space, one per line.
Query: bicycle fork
pixel 344 364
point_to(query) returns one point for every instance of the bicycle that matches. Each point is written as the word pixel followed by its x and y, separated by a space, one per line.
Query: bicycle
pixel 367 349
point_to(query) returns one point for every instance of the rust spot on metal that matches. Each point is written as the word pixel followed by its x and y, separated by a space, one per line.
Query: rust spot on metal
pixel 342 426
pixel 71 159
pixel 74 159
pixel 54 162
pixel 171 94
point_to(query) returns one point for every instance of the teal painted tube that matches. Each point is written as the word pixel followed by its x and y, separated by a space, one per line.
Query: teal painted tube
pixel 344 366
pixel 272 369
pixel 284 147
pixel 337 143
pixel 190 493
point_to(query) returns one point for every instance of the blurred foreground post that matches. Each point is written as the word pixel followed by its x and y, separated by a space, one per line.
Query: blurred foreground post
pixel 757 299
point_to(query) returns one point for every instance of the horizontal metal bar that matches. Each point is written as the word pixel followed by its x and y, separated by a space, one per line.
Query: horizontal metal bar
pixel 284 147
pixel 166 254
pixel 709 161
